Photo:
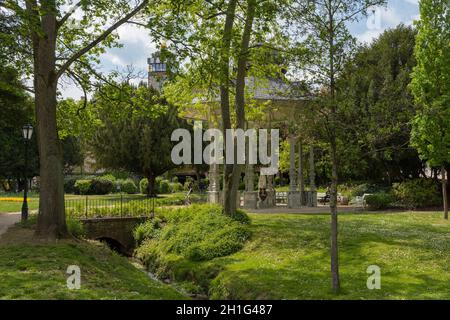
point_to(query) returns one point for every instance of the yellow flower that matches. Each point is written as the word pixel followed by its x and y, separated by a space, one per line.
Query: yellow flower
pixel 12 199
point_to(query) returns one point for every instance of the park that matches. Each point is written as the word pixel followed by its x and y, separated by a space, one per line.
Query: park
pixel 224 150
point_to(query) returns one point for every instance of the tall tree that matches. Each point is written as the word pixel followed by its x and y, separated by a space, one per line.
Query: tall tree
pixel 16 110
pixel 219 40
pixel 374 90
pixel 324 23
pixel 431 87
pixel 144 122
pixel 55 44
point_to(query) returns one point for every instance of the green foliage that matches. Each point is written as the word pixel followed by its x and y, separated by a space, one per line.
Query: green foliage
pixel 147 230
pixel 69 186
pixel 101 186
pixel 109 177
pixel 83 186
pixel 176 187
pixel 143 184
pixel 75 227
pixel 374 90
pixel 164 187
pixel 379 201
pixel 418 193
pixel 194 233
pixel 98 185
pixel 431 83
pixel 144 121
pixel 72 153
pixel 128 186
pixel 16 110
pixel 361 189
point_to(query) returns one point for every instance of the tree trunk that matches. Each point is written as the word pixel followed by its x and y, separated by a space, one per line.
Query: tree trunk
pixel 225 102
pixel 51 222
pixel 151 192
pixel 235 175
pixel 444 192
pixel 334 220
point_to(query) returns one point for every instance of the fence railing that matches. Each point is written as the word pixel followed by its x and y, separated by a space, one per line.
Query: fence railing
pixel 88 207
pixel 122 206
pixel 281 198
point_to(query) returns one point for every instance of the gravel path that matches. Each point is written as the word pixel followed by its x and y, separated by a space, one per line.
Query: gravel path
pixel 306 210
pixel 7 220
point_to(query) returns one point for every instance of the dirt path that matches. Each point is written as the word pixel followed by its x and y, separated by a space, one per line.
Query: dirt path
pixel 7 220
pixel 306 210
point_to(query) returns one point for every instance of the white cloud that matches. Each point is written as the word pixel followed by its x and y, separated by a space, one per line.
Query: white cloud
pixel 369 35
pixel 385 18
pixel 114 59
pixel 390 17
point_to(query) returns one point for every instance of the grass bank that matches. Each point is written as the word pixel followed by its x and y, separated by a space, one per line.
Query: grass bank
pixel 287 257
pixel 33 270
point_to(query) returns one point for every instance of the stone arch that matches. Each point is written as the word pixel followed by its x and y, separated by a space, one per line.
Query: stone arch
pixel 114 244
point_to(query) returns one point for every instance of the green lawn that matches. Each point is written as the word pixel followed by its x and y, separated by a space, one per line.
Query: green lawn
pixel 288 258
pixel 38 271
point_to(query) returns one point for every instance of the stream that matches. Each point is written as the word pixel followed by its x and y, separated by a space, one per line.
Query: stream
pixel 138 264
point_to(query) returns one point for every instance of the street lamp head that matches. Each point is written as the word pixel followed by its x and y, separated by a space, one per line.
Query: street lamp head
pixel 27 131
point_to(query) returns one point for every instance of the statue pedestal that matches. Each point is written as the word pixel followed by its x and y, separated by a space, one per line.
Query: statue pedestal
pixel 263 204
pixel 250 199
pixel 271 199
pixel 310 198
pixel 294 199
pixel 214 197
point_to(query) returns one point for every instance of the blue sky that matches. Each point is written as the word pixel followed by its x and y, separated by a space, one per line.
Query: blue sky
pixel 138 45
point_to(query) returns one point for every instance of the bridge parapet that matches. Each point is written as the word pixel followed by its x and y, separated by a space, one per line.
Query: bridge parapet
pixel 117 232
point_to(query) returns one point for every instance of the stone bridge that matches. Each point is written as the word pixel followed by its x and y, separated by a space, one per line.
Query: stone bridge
pixel 116 232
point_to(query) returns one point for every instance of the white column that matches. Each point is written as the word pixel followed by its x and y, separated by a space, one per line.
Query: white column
pixel 312 179
pixel 214 184
pixel 292 183
pixel 300 180
pixel 293 195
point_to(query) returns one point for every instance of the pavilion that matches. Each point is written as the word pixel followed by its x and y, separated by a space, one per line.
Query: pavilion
pixel 279 104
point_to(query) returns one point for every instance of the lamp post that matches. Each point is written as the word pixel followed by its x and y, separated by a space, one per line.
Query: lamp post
pixel 27 131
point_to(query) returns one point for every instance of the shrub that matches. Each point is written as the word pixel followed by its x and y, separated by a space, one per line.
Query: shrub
pixel 143 184
pixel 417 193
pixel 188 183
pixel 75 227
pixel 158 184
pixel 101 186
pixel 176 187
pixel 204 184
pixel 196 233
pixel 379 201
pixel 360 190
pixel 69 186
pixel 147 230
pixel 128 186
pixel 109 177
pixel 83 186
pixel 164 187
